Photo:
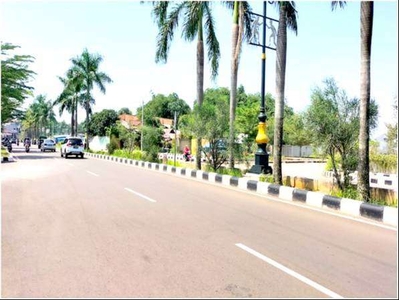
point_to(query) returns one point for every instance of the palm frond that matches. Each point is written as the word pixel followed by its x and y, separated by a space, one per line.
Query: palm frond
pixel 100 79
pixel 228 4
pixel 160 11
pixel 193 19
pixel 291 16
pixel 211 41
pixel 166 32
pixel 335 4
pixel 246 20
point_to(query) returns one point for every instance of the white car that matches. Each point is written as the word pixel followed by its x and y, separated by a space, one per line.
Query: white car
pixel 72 146
pixel 48 144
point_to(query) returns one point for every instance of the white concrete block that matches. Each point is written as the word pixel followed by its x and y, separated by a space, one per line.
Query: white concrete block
pixel 350 206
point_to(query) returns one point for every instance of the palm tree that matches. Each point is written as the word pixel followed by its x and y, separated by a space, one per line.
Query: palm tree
pixel 287 19
pixel 366 32
pixel 241 27
pixel 29 122
pixel 41 112
pixel 198 22
pixel 69 99
pixel 85 71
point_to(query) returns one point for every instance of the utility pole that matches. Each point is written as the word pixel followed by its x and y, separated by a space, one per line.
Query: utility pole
pixel 142 124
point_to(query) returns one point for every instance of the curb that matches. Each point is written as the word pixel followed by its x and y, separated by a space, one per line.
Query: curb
pixel 385 214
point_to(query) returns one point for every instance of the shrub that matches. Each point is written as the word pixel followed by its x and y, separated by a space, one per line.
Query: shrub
pixel 383 163
pixel 113 145
pixel 232 172
pixel 349 192
pixel 266 178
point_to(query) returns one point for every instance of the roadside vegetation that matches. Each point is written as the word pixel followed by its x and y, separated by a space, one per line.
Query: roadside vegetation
pixel 223 123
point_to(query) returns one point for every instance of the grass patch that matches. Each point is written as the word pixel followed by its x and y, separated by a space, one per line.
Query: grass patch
pixel 266 178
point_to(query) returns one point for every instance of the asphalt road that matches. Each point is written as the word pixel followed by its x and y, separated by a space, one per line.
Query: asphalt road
pixel 88 228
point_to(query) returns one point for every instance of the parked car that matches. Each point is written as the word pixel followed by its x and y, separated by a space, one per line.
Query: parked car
pixel 72 146
pixel 48 145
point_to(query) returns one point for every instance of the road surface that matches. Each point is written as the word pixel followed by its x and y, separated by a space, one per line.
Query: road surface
pixel 89 228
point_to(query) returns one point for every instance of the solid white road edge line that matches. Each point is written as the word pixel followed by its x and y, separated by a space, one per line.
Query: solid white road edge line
pixel 141 195
pixel 290 272
pixel 92 173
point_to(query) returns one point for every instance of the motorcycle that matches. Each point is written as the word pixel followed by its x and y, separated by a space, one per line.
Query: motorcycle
pixel 187 156
pixel 27 147
pixel 9 147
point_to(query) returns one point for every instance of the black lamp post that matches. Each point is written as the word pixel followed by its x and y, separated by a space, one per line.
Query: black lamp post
pixel 261 155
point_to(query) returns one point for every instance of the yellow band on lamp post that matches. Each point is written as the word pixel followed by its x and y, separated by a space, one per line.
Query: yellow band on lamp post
pixel 261 137
pixel 263 56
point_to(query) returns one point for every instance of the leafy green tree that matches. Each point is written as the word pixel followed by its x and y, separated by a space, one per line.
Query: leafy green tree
pixel 124 110
pixel 152 142
pixel 295 131
pixel 334 122
pixel 391 137
pixel 211 121
pixel 101 120
pixel 287 19
pixel 197 23
pixel 86 71
pixel 162 106
pixel 15 76
pixel 129 137
pixel 61 128
pixel 247 117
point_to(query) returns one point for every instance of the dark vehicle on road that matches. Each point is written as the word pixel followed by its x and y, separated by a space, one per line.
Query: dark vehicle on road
pixel 41 140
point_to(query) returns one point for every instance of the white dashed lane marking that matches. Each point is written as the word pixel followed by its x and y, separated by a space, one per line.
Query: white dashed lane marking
pixel 290 272
pixel 140 195
pixel 94 174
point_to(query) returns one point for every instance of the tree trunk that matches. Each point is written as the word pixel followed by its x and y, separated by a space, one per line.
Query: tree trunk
pixel 366 31
pixel 281 55
pixel 87 126
pixel 72 121
pixel 200 87
pixel 236 41
pixel 76 119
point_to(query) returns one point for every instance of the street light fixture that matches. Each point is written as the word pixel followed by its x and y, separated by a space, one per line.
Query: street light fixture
pixel 261 155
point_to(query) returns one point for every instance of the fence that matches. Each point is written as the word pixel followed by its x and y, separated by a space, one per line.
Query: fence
pixel 377 180
pixel 294 151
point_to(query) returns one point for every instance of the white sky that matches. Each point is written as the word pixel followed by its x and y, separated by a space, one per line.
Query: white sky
pixel 124 33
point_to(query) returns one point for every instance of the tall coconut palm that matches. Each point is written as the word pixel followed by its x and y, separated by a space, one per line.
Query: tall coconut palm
pixel 85 70
pixel 287 19
pixel 366 32
pixel 198 22
pixel 241 28
pixel 41 112
pixel 69 99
